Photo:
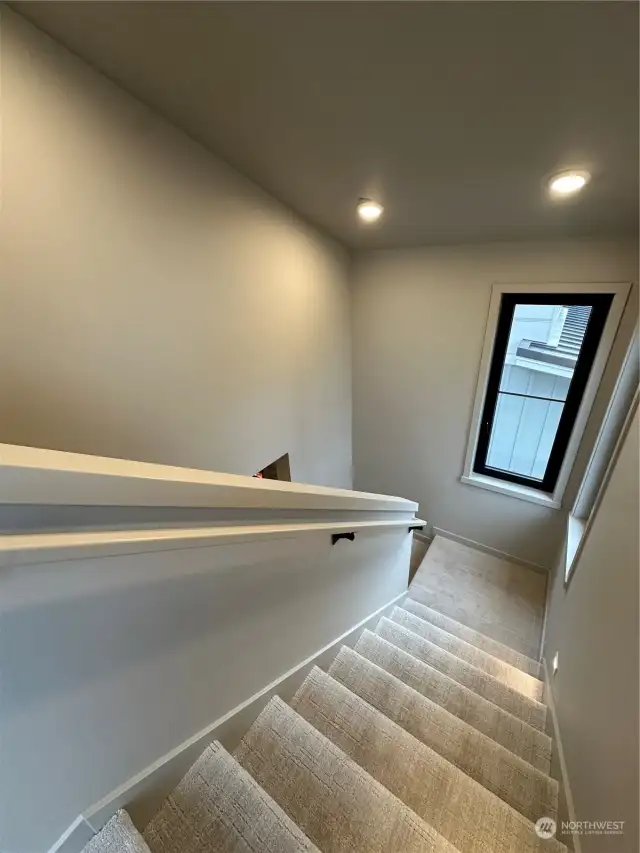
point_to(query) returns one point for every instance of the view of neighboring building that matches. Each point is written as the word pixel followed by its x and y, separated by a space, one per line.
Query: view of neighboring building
pixel 544 344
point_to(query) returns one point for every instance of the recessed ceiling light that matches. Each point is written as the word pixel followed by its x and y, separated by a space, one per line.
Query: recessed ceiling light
pixel 568 183
pixel 369 210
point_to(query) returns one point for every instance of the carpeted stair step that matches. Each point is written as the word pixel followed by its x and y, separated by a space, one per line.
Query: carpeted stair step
pixel 118 835
pixel 463 811
pixel 336 803
pixel 475 638
pixel 530 687
pixel 485 685
pixel 527 789
pixel 447 603
pixel 511 732
pixel 219 807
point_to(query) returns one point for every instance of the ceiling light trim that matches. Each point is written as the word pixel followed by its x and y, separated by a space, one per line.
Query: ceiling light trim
pixel 568 183
pixel 369 210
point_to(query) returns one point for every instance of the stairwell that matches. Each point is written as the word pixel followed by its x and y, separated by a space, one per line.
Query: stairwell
pixel 428 735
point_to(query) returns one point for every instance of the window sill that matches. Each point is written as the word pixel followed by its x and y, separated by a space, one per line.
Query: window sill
pixel 522 493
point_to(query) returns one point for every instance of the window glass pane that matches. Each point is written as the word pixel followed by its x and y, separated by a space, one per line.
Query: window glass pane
pixel 542 351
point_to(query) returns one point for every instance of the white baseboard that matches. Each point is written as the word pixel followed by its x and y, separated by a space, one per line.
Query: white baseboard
pixel 75 838
pixel 143 793
pixel 487 549
pixel 551 580
pixel 557 745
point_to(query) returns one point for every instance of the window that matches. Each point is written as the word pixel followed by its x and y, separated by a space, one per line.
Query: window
pixel 543 354
pixel 620 412
pixel 545 350
pixel 621 402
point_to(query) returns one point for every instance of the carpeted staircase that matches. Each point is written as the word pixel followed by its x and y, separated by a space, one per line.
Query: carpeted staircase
pixel 427 736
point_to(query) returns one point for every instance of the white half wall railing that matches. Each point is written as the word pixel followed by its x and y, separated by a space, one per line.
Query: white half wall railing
pixel 146 610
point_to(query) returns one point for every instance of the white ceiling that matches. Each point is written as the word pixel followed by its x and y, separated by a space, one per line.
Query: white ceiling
pixel 451 114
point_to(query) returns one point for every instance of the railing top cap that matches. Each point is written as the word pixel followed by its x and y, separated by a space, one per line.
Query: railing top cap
pixel 30 475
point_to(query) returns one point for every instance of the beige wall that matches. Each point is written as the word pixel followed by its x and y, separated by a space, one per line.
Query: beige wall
pixel 593 625
pixel 154 304
pixel 419 322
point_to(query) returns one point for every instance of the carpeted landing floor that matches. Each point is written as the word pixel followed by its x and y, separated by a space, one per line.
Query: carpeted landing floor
pixel 429 735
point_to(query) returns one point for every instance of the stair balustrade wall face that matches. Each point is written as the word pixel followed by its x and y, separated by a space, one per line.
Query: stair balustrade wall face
pixel 109 663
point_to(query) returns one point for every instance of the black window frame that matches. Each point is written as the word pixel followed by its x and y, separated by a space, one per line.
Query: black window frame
pixel 601 305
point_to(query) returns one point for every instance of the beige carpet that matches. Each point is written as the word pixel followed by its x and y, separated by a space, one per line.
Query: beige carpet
pixel 498 598
pixel 459 808
pixel 428 737
pixel 524 787
pixel 219 807
pixel 118 835
pixel 339 806
pixel 509 731
pixel 475 638
pixel 533 713
pixel 530 687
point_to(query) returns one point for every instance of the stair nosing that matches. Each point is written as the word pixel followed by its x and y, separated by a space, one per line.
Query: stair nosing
pixel 370 780
pixel 221 814
pixel 501 663
pixel 317 677
pixel 539 708
pixel 497 751
pixel 539 739
pixel 532 662
pixel 418 589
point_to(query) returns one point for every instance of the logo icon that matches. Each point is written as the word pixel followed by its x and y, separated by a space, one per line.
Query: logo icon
pixel 545 827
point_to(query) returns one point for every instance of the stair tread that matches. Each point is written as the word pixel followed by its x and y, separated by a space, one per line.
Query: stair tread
pixel 485 685
pixel 511 732
pixel 219 807
pixel 334 801
pixel 461 809
pixel 118 835
pixel 475 638
pixel 530 687
pixel 445 601
pixel 524 787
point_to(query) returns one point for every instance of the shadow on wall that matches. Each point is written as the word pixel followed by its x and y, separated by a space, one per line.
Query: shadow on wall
pixel 419 548
pixel 76 423
pixel 278 470
pixel 162 616
pixel 80 417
